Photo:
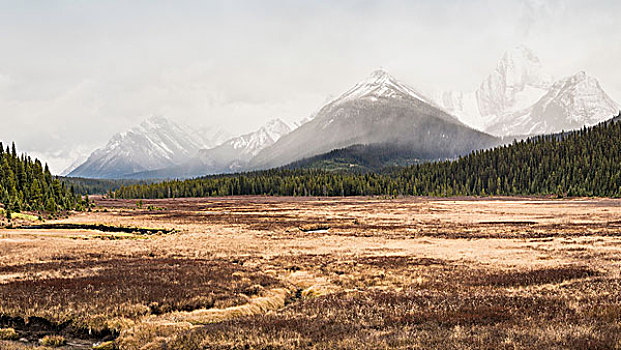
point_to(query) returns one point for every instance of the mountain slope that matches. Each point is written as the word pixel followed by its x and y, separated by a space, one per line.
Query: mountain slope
pixel 571 103
pixel 155 143
pixel 76 163
pixel 365 158
pixel 377 110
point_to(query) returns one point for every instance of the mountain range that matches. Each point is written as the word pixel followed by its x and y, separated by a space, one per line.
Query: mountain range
pixel 379 122
pixel 520 97
pixel 156 143
pixel 570 103
pixel 378 110
pixel 230 156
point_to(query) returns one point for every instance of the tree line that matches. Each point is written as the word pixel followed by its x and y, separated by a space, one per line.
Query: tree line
pixel 586 162
pixel 98 186
pixel 27 185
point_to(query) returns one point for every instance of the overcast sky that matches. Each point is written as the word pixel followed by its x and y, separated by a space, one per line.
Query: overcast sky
pixel 73 73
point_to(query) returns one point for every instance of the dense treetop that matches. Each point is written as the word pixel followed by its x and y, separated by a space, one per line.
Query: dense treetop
pixel 586 162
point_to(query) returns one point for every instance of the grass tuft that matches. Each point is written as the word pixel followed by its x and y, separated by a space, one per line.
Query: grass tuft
pixel 54 341
pixel 8 334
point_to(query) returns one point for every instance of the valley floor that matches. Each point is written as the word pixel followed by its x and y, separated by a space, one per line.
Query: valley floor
pixel 287 273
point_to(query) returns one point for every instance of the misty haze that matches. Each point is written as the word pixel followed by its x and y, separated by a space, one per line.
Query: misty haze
pixel 310 174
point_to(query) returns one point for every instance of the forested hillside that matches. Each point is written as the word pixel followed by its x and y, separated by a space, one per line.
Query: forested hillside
pixel 364 158
pixel 586 162
pixel 25 184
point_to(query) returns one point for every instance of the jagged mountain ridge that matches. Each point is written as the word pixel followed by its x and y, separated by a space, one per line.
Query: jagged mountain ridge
pixel 520 98
pixel 234 154
pixel 518 81
pixel 571 103
pixel 377 110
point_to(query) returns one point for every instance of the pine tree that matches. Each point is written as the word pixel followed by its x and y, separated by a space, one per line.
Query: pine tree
pixel 25 185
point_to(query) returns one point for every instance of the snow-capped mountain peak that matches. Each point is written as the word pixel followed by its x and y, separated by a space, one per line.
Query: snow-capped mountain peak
pixel 380 85
pixel 582 99
pixel 518 81
pixel 377 110
pixel 521 67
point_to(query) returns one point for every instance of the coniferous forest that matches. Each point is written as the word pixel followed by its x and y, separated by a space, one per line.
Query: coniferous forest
pixel 586 162
pixel 97 186
pixel 27 185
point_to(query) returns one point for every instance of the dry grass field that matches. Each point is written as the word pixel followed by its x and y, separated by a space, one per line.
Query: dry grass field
pixel 320 273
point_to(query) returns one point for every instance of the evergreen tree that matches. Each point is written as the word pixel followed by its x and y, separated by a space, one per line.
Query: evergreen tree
pixel 25 185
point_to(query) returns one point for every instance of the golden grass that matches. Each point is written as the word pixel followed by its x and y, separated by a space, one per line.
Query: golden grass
pixel 8 334
pixel 402 273
pixel 155 330
pixel 53 341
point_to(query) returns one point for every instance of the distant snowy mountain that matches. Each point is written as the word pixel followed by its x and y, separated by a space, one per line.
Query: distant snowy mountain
pixel 234 154
pixel 230 156
pixel 463 105
pixel 571 103
pixel 377 110
pixel 212 136
pixel 519 97
pixel 155 143
pixel 518 81
pixel 76 163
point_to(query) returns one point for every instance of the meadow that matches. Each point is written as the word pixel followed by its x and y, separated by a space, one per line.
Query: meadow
pixel 318 273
